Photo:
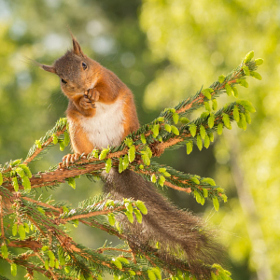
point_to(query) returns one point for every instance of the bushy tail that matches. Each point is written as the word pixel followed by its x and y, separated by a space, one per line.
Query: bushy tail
pixel 181 236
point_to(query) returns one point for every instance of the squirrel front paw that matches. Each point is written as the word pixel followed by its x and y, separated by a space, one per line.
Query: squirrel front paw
pixel 92 94
pixel 86 103
pixel 70 158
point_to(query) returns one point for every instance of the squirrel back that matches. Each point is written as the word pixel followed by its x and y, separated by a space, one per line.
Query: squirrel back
pixel 101 112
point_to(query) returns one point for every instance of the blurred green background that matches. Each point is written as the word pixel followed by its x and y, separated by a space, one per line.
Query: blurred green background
pixel 164 50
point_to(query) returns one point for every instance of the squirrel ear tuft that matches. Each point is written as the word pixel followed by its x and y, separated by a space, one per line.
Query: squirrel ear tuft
pixel 76 47
pixel 48 68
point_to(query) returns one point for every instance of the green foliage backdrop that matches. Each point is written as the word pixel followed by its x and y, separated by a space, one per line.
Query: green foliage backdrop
pixel 163 50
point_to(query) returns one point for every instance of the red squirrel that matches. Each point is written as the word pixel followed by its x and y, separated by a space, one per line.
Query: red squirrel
pixel 101 112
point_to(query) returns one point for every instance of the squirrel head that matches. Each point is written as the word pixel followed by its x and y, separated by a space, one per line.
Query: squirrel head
pixel 77 72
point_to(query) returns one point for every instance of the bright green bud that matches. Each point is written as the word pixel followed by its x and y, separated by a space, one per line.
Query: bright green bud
pixel 220 129
pixel 131 153
pixel 116 262
pixel 211 136
pixel 192 128
pixel 138 215
pixel 206 141
pixel 195 180
pixel 235 113
pixel 228 89
pixel 256 75
pixel 207 92
pixel 214 104
pixel 55 139
pixel 199 142
pixel 151 275
pixel 26 184
pixel 143 139
pixel 125 162
pixel 155 130
pixel 207 106
pixel 249 56
pixel 247 105
pixel 26 170
pixel 175 130
pixel 128 142
pixel 205 192
pixel 226 121
pixel 221 79
pixel 160 119
pixel 95 153
pixel 38 144
pixel 66 138
pixel 202 131
pixel 211 120
pixel 209 181
pixel 175 118
pixel 184 120
pixel 259 61
pixel 71 183
pixel 129 217
pixel 161 180
pixel 141 206
pixel 248 117
pixel 243 83
pixel 216 203
pixel 13 269
pixel 21 231
pixel 14 229
pixel 104 153
pixel 108 165
pixel 4 251
pixel 189 147
pixel 167 127
pixel 235 92
pixel 153 178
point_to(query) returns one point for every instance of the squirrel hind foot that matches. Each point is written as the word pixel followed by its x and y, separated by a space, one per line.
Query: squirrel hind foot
pixel 69 159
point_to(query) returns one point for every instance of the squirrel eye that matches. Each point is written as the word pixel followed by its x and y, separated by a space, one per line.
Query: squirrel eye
pixel 63 81
pixel 84 66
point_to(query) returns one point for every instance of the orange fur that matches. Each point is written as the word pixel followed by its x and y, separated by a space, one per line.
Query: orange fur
pixel 131 122
pixel 79 140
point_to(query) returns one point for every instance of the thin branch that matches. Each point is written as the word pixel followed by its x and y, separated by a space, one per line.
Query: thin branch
pixel 60 210
pixel 28 243
pixel 168 184
pixel 89 215
pixel 101 250
pixel 44 145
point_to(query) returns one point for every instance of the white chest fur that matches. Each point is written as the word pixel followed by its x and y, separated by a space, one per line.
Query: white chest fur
pixel 106 126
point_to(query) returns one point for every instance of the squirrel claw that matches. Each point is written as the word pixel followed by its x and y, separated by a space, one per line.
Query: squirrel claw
pixel 69 159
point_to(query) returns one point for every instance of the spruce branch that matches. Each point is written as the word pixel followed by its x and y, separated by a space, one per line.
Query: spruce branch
pixel 39 227
pixel 51 138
